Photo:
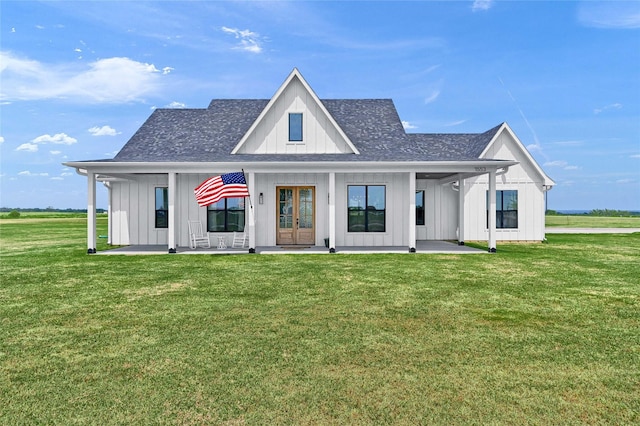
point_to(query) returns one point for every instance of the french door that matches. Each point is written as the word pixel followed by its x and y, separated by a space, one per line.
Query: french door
pixel 296 218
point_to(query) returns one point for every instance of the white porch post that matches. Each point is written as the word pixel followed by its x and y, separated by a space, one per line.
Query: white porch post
pixel 492 211
pixel 172 212
pixel 460 210
pixel 332 212
pixel 91 212
pixel 252 216
pixel 412 212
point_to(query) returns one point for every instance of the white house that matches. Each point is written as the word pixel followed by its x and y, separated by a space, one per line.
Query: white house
pixel 338 169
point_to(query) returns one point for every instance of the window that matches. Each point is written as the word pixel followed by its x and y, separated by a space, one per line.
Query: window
pixel 227 215
pixel 366 205
pixel 506 209
pixel 295 127
pixel 420 207
pixel 162 207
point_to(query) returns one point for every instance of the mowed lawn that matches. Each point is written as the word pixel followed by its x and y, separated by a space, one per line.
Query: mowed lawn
pixel 535 334
pixel 585 221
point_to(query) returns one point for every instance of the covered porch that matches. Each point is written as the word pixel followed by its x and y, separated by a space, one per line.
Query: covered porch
pixel 329 180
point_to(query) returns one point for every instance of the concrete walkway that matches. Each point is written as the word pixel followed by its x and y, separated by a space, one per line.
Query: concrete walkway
pixel 558 230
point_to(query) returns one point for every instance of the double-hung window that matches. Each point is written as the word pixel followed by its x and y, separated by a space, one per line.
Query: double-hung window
pixel 295 127
pixel 227 215
pixel 366 208
pixel 506 209
pixel 162 208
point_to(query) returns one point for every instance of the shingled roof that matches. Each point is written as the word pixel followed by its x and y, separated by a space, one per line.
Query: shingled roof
pixel 372 125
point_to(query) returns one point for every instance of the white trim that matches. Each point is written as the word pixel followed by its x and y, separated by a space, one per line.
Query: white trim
pixel 505 127
pixel 294 74
pixel 470 168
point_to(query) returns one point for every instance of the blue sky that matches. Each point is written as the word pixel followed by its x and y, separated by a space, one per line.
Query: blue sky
pixel 79 78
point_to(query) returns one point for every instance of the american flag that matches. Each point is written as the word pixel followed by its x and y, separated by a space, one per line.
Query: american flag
pixel 212 190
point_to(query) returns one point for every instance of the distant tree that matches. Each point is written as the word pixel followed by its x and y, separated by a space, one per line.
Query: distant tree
pixel 13 214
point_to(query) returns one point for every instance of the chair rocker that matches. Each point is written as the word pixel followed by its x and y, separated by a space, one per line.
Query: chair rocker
pixel 240 240
pixel 197 237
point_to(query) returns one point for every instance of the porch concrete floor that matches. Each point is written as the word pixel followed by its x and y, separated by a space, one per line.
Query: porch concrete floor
pixel 421 247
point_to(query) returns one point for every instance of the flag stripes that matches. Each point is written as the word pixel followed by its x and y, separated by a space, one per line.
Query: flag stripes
pixel 229 185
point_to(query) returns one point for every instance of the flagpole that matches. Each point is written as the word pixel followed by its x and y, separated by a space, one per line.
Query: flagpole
pixel 245 179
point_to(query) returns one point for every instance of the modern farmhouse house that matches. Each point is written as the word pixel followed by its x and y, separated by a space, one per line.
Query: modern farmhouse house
pixel 338 170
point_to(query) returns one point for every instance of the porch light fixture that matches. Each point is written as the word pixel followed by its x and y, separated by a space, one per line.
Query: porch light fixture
pixel 261 198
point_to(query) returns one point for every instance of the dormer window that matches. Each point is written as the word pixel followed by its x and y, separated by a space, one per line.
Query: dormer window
pixel 295 127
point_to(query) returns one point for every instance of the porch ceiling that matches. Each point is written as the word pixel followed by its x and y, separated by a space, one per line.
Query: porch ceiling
pixel 434 175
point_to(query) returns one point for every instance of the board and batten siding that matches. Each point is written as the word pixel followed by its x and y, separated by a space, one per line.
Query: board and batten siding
pixel 396 205
pixel 522 177
pixel 441 211
pixel 271 136
pixel 133 211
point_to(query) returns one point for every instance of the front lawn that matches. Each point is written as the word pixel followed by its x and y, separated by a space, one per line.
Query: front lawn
pixel 537 333
pixel 584 221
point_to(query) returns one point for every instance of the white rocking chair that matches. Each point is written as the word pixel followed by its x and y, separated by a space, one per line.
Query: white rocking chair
pixel 197 237
pixel 240 240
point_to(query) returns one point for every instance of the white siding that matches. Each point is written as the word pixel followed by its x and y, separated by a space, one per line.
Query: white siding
pixel 397 217
pixel 271 135
pixel 133 210
pixel 523 178
pixel 441 211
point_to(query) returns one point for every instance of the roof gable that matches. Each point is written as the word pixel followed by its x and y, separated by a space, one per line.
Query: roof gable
pixel 269 132
pixel 518 150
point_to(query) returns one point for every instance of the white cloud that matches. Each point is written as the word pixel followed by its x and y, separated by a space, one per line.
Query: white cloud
pixel 29 147
pixel 57 178
pixel 40 27
pixel 58 138
pixel 481 5
pixel 1 139
pixel 556 163
pixel 635 156
pixel 177 105
pixel 167 70
pixel 55 152
pixel 432 97
pixel 572 168
pixel 249 40
pixel 625 181
pixel 408 126
pixel 28 173
pixel 610 14
pixel 111 80
pixel 455 123
pixel 103 131
pixel 607 107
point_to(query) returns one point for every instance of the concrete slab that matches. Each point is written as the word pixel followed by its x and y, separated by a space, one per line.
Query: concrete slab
pixel 442 247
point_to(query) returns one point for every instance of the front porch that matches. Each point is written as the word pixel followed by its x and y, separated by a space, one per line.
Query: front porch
pixel 425 247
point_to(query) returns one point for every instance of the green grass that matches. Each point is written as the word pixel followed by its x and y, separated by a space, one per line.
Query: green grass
pixel 583 221
pixel 536 334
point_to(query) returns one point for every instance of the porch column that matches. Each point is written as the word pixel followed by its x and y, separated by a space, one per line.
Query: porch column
pixel 91 212
pixel 252 216
pixel 332 212
pixel 460 210
pixel 492 211
pixel 412 212
pixel 172 212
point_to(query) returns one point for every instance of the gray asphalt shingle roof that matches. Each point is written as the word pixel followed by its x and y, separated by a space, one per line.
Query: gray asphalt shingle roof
pixel 372 125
